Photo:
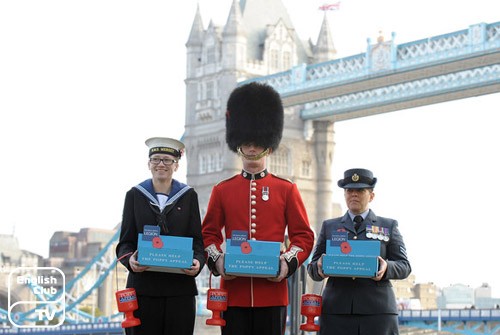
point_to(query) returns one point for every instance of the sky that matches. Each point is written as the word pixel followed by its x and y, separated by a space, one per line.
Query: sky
pixel 84 83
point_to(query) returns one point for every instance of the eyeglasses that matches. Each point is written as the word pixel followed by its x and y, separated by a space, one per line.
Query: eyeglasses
pixel 165 161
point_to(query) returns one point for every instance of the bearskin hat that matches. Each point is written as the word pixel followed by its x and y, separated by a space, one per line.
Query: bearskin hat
pixel 254 115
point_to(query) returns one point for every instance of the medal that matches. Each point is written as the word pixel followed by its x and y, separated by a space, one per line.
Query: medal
pixel 386 234
pixel 380 234
pixel 265 193
pixel 369 231
pixel 374 233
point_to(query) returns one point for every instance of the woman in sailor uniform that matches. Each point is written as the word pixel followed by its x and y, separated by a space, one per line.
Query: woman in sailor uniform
pixel 162 204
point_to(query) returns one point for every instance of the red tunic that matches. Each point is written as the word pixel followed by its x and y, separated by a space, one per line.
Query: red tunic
pixel 239 203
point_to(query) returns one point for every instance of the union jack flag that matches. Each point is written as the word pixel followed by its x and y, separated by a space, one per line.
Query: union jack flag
pixel 333 6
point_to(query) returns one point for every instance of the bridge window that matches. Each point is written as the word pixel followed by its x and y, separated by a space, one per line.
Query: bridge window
pixel 210 55
pixel 305 170
pixel 280 162
pixel 274 60
pixel 210 162
pixel 287 60
pixel 210 90
pixel 210 51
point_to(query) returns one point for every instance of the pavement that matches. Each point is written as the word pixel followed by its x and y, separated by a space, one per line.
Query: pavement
pixel 200 328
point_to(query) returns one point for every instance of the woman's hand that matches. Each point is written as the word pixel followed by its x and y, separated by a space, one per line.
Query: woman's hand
pixel 194 269
pixel 134 264
pixel 382 267
pixel 320 267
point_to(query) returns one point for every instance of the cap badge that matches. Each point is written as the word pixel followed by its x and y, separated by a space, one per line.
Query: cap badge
pixel 355 177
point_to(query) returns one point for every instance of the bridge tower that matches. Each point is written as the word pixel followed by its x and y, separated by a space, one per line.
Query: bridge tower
pixel 258 39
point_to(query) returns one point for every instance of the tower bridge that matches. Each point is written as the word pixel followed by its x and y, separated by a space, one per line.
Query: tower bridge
pixel 387 77
pixel 451 66
pixel 390 77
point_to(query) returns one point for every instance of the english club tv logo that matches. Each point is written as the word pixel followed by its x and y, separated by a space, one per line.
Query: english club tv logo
pixel 36 297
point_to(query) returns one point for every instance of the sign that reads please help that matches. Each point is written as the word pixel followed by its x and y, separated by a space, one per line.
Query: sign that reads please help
pixel 164 253
pixel 249 258
pixel 351 258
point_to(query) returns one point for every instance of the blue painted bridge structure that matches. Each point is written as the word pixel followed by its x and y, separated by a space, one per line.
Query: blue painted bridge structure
pixel 390 77
pixel 455 321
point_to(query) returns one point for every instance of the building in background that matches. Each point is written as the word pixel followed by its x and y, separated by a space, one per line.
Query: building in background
pixel 412 295
pixel 71 252
pixel 12 257
pixel 464 296
pixel 483 297
pixel 427 294
pixel 456 296
pixel 258 39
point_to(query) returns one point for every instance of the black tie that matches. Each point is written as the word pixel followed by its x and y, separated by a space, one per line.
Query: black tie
pixel 357 219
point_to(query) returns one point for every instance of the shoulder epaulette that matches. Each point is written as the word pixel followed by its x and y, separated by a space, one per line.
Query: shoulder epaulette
pixel 224 180
pixel 282 178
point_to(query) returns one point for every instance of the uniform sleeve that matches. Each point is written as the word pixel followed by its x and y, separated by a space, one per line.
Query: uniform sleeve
pixel 398 265
pixel 195 222
pixel 300 233
pixel 128 232
pixel 320 249
pixel 212 230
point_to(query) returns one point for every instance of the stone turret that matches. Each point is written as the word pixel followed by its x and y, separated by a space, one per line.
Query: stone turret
pixel 234 41
pixel 324 49
pixel 194 44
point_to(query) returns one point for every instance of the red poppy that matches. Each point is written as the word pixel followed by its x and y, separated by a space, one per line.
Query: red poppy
pixel 157 242
pixel 246 248
pixel 345 247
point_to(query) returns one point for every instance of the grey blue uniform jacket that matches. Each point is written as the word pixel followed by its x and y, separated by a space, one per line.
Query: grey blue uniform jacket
pixel 346 295
pixel 181 217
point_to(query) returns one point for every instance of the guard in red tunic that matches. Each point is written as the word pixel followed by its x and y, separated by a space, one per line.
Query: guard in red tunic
pixel 267 207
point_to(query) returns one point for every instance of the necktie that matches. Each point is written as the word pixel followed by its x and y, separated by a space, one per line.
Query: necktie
pixel 357 222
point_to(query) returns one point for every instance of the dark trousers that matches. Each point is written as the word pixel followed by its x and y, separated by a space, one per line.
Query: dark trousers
pixel 164 316
pixel 340 324
pixel 255 320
